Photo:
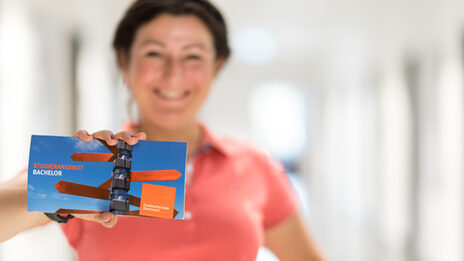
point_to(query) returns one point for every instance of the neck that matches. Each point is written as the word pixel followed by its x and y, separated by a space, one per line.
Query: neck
pixel 190 133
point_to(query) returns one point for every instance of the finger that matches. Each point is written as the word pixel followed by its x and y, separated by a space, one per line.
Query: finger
pixel 141 136
pixel 83 135
pixel 106 219
pixel 107 136
pixel 128 137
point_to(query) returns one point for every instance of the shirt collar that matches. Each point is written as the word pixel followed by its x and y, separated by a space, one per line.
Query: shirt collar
pixel 214 142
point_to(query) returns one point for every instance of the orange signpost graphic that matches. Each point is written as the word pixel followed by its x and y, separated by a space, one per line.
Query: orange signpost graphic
pixel 101 157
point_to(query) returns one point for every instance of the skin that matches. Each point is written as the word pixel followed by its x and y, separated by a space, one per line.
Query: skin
pixel 169 69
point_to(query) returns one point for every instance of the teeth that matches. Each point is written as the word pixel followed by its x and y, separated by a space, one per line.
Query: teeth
pixel 171 94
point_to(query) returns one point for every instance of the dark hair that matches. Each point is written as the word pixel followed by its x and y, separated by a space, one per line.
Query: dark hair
pixel 143 11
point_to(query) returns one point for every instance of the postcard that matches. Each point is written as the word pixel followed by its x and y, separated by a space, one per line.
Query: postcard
pixel 68 175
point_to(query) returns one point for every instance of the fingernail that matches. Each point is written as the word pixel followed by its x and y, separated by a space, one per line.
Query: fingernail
pixel 107 218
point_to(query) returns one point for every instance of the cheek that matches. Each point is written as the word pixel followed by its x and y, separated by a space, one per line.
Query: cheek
pixel 146 72
pixel 201 77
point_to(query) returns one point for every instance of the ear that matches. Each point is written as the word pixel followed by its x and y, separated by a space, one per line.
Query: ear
pixel 123 63
pixel 218 65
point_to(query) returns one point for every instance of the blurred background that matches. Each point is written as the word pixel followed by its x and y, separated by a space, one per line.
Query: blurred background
pixel 362 100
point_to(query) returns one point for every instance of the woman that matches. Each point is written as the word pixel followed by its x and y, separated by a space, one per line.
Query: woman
pixel 237 198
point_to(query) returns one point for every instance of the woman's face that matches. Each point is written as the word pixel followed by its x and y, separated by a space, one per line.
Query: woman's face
pixel 171 66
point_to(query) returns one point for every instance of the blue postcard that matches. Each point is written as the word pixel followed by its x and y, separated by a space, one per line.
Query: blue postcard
pixel 68 175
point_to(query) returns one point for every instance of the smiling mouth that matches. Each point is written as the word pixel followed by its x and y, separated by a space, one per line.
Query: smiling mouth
pixel 171 95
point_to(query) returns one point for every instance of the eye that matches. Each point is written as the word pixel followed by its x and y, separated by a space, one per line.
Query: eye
pixel 154 54
pixel 193 57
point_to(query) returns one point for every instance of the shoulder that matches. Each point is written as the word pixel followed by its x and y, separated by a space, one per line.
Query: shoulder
pixel 246 150
pixel 241 151
pixel 235 147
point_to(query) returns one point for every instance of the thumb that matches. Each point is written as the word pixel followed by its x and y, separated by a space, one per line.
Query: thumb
pixel 107 219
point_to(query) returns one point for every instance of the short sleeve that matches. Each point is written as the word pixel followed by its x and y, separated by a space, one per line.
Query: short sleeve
pixel 281 200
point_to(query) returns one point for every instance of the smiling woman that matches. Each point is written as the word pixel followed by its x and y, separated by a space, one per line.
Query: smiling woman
pixel 237 198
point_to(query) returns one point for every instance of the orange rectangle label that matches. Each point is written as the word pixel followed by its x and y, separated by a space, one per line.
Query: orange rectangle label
pixel 157 201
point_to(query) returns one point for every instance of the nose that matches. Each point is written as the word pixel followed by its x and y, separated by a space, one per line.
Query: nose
pixel 174 73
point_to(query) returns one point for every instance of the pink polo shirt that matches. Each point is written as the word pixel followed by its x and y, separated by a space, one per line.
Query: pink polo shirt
pixel 236 192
